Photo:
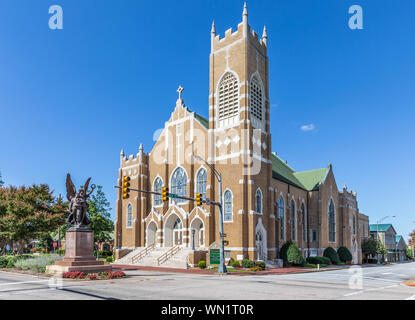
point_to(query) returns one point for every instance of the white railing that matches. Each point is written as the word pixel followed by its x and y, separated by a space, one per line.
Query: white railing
pixel 142 254
pixel 166 256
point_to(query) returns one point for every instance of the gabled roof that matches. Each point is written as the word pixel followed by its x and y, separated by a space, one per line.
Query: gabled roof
pixel 398 238
pixel 382 227
pixel 310 179
pixel 307 180
pixel 203 121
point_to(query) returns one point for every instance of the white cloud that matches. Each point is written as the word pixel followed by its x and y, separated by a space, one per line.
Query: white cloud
pixel 308 127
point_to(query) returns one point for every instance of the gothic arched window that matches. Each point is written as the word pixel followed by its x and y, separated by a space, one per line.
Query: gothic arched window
pixel 227 212
pixel 332 222
pixel 281 217
pixel 179 183
pixel 129 215
pixel 258 201
pixel 201 180
pixel 228 100
pixel 158 183
pixel 178 225
pixel 293 220
pixel 256 99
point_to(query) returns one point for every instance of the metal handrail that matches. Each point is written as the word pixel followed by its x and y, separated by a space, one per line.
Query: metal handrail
pixel 142 254
pixel 165 256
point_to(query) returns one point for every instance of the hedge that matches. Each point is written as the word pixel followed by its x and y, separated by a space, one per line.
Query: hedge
pixel 284 249
pixel 236 264
pixel 330 253
pixel 344 254
pixel 202 264
pixel 246 263
pixel 294 256
pixel 318 260
pixel 260 264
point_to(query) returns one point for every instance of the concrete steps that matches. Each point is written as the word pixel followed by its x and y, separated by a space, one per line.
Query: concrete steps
pixel 178 260
pixel 150 260
pixel 127 258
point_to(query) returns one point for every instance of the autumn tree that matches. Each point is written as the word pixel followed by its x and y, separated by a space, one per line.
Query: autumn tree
pixel 29 213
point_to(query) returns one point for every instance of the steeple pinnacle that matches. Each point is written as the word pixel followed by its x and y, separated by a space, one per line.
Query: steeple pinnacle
pixel 245 21
pixel 213 31
pixel 265 36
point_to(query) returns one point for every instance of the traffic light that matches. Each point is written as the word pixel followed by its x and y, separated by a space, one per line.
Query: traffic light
pixel 165 193
pixel 198 199
pixel 125 187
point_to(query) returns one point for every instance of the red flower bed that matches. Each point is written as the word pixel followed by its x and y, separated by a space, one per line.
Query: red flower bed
pixel 93 276
pixel 74 275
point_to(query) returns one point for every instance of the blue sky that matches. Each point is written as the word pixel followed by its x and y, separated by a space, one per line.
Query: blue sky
pixel 71 99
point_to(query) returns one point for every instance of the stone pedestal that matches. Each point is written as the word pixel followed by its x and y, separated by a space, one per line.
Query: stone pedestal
pixel 79 249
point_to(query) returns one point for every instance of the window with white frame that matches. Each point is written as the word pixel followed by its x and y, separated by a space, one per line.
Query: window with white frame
pixel 258 201
pixel 256 99
pixel 281 217
pixel 293 221
pixel 179 183
pixel 129 215
pixel 227 206
pixel 157 200
pixel 228 100
pixel 201 181
pixel 332 222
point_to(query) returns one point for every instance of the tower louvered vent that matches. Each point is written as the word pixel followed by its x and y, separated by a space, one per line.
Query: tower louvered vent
pixel 256 99
pixel 228 100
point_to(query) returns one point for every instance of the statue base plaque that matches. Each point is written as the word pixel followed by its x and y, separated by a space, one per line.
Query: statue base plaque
pixel 79 256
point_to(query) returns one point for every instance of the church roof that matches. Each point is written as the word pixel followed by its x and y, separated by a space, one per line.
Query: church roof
pixel 203 121
pixel 307 180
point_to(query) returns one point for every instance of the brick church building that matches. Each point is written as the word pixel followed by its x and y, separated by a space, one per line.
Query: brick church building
pixel 266 202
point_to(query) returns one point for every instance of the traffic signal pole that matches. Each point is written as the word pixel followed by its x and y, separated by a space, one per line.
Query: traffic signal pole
pixel 169 195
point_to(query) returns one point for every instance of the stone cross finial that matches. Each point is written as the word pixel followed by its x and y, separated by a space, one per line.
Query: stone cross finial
pixel 179 90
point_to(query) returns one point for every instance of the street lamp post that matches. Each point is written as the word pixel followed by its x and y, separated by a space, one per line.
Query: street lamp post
pixel 377 232
pixel 222 267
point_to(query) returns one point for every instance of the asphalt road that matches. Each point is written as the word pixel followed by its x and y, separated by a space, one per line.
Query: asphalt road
pixel 383 282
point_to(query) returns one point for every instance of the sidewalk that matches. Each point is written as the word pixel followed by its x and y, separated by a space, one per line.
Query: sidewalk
pixel 278 271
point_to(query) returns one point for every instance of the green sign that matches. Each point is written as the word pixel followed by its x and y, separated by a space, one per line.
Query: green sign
pixel 214 256
pixel 172 195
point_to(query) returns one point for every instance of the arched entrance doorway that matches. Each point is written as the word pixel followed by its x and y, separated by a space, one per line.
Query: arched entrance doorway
pixel 151 234
pixel 197 230
pixel 173 231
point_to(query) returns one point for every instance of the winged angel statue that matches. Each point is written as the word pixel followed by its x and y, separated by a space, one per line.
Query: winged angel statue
pixel 78 205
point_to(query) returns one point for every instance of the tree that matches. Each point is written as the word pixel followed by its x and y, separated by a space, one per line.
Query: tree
pixel 100 216
pixel 409 253
pixel 369 247
pixel 381 249
pixel 1 181
pixel 29 213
